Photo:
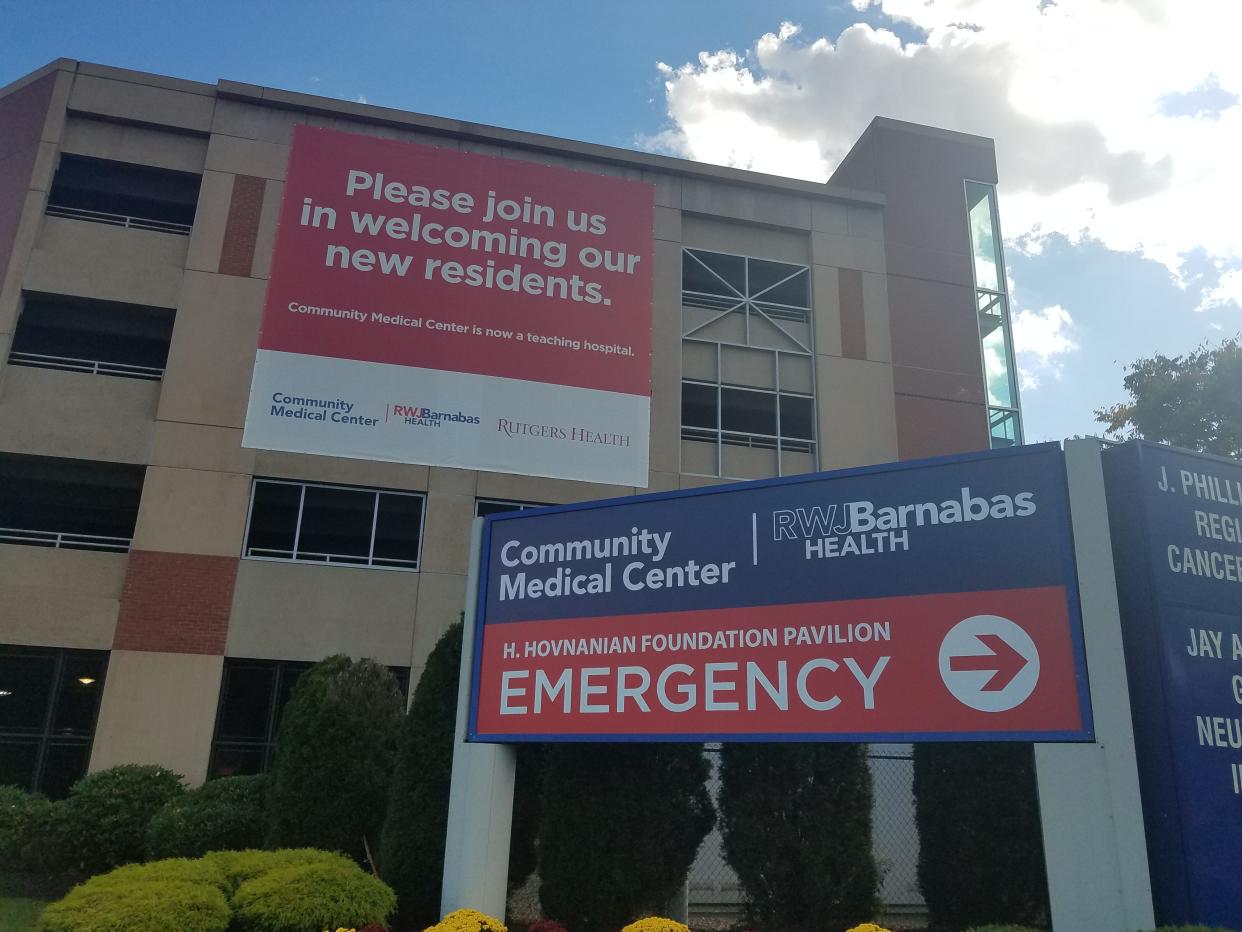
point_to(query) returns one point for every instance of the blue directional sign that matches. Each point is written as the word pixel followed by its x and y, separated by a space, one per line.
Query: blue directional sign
pixel 1176 522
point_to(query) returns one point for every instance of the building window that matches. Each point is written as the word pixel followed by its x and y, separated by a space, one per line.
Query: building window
pixel 49 700
pixel 748 383
pixel 995 333
pixel 124 194
pixel 318 523
pixel 97 337
pixel 72 504
pixel 497 506
pixel 253 694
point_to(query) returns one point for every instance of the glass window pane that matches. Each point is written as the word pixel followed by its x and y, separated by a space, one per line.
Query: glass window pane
pixel 64 764
pixel 483 507
pixel 236 761
pixel 1004 427
pixel 713 273
pixel 698 405
pixel 18 758
pixel 996 370
pixel 780 284
pixel 797 417
pixel 81 685
pixel 336 523
pixel 290 673
pixel 397 529
pixel 25 690
pixel 984 243
pixel 247 703
pixel 273 519
pixel 747 412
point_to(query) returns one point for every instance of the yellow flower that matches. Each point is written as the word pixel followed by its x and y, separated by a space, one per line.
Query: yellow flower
pixel 656 924
pixel 468 920
pixel 868 927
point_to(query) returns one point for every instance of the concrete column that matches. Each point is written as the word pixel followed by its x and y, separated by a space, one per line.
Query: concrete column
pixel 1092 815
pixel 480 816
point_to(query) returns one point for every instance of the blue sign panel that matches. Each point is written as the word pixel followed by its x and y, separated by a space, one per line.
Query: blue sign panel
pixel 919 600
pixel 1177 536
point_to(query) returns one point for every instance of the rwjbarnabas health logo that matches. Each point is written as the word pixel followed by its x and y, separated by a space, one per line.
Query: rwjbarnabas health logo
pixel 422 416
pixel 864 527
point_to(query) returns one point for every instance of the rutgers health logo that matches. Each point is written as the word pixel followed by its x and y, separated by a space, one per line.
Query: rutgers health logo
pixel 420 416
pixel 861 527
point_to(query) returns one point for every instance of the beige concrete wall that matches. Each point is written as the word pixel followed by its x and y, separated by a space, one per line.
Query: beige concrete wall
pixel 299 611
pixel 77 415
pixel 192 511
pixel 158 709
pixel 857 418
pixel 95 260
pixel 59 598
pixel 141 145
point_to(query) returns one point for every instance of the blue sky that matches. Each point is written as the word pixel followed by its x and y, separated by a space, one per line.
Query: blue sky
pixel 1117 123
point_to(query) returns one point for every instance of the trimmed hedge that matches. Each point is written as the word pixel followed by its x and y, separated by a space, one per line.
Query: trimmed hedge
pixel 107 813
pixel 796 825
pixel 981 851
pixel 311 896
pixel 411 848
pixel 239 891
pixel 30 831
pixel 624 829
pixel 223 815
pixel 334 757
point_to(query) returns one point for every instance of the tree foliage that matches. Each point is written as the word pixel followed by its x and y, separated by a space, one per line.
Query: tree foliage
pixel 622 832
pixel 796 824
pixel 334 757
pixel 981 852
pixel 1192 401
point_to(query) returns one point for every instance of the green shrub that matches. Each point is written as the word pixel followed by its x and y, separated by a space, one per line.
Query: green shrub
pixel 29 831
pixel 981 852
pixel 334 757
pixel 626 825
pixel 1193 928
pixel 411 850
pixel 107 813
pixel 1004 929
pixel 311 896
pixel 152 906
pixel 222 815
pixel 796 825
pixel 170 870
pixel 240 866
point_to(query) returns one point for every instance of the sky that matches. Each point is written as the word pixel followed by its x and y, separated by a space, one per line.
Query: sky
pixel 1118 123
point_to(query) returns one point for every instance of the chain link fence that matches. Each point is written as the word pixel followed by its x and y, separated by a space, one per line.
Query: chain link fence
pixel 717 900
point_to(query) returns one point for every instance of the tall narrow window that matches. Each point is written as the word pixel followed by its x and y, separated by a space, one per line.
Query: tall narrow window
pixel 995 333
pixel 49 699
pixel 748 387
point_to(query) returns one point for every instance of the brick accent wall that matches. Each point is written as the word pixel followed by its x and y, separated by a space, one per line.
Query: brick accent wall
pixel 242 227
pixel 853 314
pixel 176 602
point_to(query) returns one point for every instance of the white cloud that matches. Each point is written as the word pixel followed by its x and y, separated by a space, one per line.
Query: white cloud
pixel 1228 291
pixel 1114 120
pixel 1040 339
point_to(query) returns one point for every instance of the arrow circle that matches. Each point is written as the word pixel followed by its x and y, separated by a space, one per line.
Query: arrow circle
pixel 989 663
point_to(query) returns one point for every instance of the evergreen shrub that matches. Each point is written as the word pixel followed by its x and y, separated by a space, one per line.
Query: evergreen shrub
pixel 222 815
pixel 981 853
pixel 411 847
pixel 621 828
pixel 240 866
pixel 334 757
pixel 107 813
pixel 796 825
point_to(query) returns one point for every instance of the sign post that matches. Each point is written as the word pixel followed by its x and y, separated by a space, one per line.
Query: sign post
pixel 1089 793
